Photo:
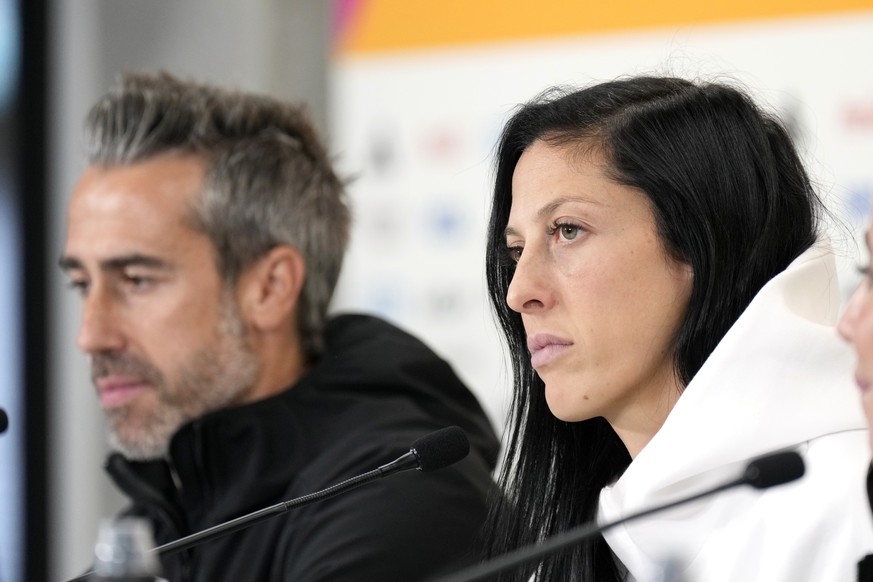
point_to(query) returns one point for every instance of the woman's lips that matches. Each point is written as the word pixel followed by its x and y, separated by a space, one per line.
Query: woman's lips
pixel 862 384
pixel 546 348
pixel 115 392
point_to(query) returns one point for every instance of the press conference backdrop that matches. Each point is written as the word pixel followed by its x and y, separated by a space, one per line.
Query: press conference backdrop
pixel 419 92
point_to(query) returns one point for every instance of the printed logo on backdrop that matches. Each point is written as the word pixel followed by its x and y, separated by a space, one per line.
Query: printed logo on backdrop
pixel 381 222
pixel 857 203
pixel 447 222
pixel 791 115
pixel 385 297
pixel 434 303
pixel 855 123
pixel 382 142
pixel 443 144
pixel 858 116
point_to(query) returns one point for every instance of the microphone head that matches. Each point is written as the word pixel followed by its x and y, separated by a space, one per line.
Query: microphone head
pixel 774 469
pixel 441 448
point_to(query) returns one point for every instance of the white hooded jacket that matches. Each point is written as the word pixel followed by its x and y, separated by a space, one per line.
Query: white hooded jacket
pixel 780 378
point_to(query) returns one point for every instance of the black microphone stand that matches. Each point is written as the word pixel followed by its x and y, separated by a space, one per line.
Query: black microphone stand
pixel 407 461
pixel 433 451
pixel 565 539
pixel 764 472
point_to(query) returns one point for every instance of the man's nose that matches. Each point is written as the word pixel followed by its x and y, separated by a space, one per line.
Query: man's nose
pixel 100 329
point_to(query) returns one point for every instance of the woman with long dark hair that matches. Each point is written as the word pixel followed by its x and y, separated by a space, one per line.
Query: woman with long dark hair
pixel 656 263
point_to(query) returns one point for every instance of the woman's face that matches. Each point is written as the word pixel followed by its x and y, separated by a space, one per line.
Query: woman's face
pixel 600 299
pixel 856 326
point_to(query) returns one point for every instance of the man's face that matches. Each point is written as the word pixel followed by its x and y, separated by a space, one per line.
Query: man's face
pixel 165 338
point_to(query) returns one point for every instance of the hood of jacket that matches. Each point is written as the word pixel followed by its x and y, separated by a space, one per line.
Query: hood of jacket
pixel 780 378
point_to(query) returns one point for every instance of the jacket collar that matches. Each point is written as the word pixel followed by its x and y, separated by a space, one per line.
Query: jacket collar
pixel 220 466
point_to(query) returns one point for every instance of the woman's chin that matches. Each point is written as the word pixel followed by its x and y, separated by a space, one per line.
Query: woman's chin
pixel 568 408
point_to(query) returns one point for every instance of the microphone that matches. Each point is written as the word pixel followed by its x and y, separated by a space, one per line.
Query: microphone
pixel 761 473
pixel 433 451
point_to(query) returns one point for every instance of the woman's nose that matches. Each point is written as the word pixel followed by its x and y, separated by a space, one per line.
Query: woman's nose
pixel 530 290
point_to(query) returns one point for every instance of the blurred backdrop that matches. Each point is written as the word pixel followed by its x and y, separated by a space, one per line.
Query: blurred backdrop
pixel 410 97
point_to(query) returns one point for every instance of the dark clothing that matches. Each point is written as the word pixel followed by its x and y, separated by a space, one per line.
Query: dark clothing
pixel 374 392
pixel 865 566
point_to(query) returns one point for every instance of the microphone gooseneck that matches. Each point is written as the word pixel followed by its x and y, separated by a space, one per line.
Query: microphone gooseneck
pixel 761 473
pixel 411 460
pixel 431 452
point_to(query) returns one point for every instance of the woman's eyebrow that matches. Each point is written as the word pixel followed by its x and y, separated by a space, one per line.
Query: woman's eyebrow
pixel 549 208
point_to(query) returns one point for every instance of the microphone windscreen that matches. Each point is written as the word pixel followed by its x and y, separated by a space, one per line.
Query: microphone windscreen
pixel 441 448
pixel 774 469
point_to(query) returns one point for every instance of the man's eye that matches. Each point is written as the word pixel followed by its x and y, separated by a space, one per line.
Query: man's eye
pixel 137 281
pixel 79 285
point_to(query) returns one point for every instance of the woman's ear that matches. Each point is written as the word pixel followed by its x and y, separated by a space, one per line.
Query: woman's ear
pixel 269 290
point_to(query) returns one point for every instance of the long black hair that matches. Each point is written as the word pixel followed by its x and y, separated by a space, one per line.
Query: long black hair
pixel 731 199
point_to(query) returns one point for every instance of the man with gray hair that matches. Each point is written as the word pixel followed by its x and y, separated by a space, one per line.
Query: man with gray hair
pixel 206 238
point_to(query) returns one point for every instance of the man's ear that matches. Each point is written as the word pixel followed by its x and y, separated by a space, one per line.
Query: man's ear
pixel 269 290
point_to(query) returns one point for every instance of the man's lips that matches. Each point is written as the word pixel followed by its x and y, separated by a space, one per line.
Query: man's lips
pixel 116 391
pixel 545 348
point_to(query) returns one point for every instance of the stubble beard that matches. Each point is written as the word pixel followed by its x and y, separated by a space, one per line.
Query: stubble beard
pixel 213 377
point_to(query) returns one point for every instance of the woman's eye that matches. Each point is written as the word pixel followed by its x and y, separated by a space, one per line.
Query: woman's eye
pixel 569 231
pixel 514 253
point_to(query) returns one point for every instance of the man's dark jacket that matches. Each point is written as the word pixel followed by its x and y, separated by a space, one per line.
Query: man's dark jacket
pixel 374 392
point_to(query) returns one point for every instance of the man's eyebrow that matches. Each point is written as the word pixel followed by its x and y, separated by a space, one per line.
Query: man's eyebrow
pixel 68 263
pixel 117 263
